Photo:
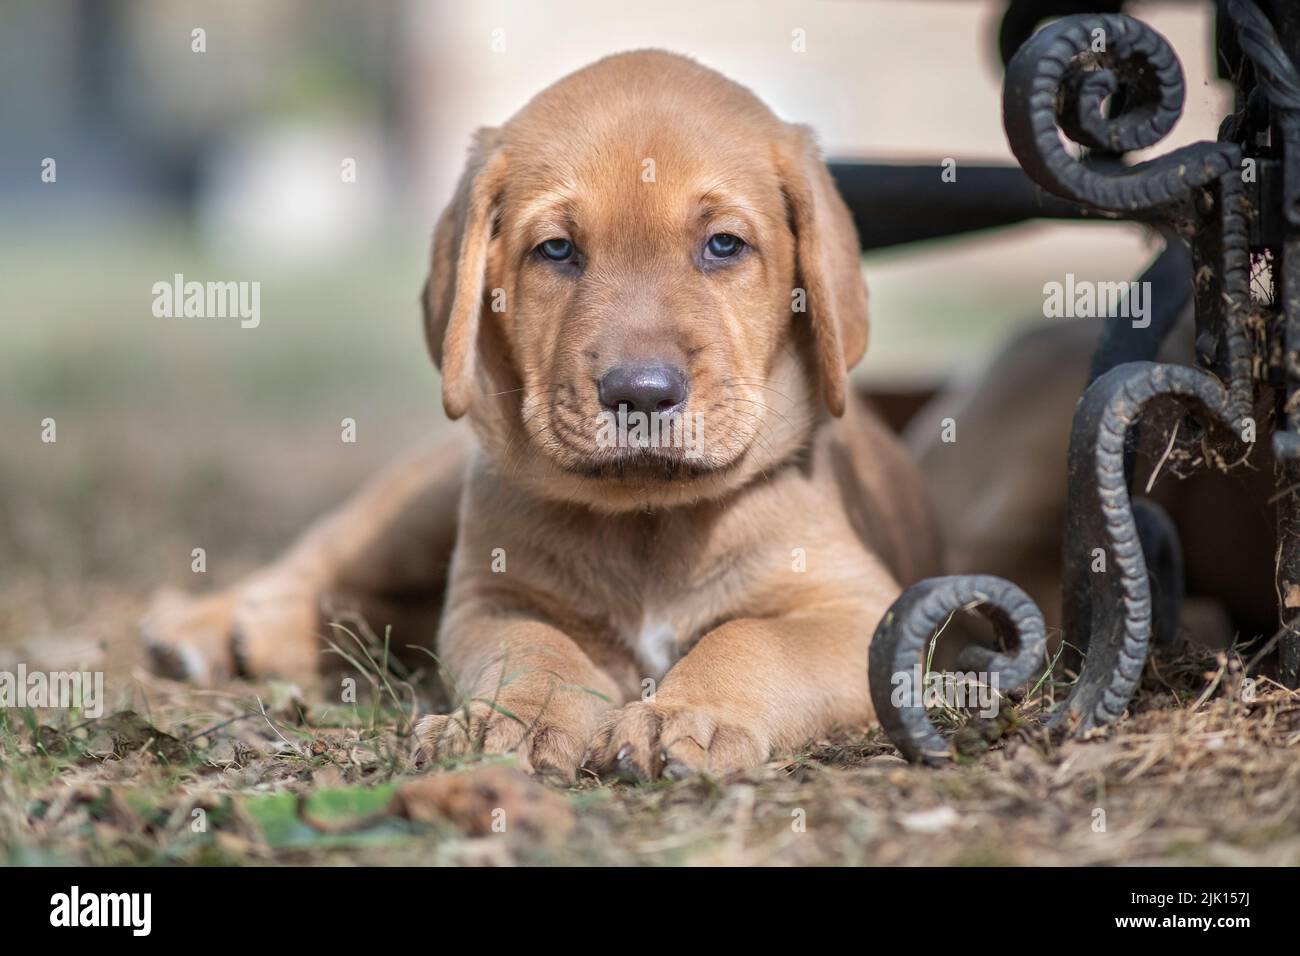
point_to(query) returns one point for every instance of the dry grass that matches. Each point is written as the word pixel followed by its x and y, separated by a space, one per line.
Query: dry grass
pixel 1182 780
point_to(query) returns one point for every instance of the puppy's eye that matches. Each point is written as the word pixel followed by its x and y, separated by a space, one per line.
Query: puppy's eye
pixel 723 245
pixel 557 250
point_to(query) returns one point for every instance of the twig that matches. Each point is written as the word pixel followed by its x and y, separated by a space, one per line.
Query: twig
pixel 1205 694
pixel 287 743
pixel 1268 646
pixel 215 727
pixel 1163 458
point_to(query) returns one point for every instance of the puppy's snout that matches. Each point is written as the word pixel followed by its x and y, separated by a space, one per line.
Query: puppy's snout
pixel 648 387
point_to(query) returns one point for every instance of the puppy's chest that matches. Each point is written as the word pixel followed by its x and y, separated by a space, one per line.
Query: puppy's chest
pixel 656 641
pixel 655 606
pixel 657 619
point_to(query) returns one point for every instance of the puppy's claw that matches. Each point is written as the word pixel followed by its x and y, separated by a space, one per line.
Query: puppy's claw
pixel 676 770
pixel 173 661
pixel 545 747
pixel 647 740
pixel 187 638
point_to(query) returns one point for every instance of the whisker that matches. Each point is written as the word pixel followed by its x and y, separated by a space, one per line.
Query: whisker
pixel 764 406
pixel 755 384
pixel 757 435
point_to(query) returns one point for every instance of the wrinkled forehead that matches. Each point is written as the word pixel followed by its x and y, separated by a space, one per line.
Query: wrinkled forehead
pixel 644 169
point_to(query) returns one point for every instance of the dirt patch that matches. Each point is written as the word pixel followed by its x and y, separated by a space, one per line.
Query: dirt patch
pixel 1204 770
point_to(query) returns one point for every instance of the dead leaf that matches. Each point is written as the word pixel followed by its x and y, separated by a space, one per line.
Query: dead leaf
pixel 127 732
pixel 486 800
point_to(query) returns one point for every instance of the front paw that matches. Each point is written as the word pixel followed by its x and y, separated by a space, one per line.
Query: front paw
pixel 647 740
pixel 548 744
pixel 264 626
pixel 275 631
pixel 187 637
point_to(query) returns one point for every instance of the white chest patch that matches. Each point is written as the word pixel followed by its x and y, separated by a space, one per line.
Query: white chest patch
pixel 655 646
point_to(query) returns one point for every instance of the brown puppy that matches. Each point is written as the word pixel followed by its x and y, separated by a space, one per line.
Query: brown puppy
pixel 646 244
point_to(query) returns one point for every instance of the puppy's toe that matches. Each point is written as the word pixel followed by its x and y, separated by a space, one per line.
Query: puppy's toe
pixel 646 740
pixel 732 748
pixel 188 638
pixel 549 746
pixel 626 745
pixel 685 737
pixel 475 728
pixel 175 661
pixel 438 737
pixel 274 629
pixel 553 754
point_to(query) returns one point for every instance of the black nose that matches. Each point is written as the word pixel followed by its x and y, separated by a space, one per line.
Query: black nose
pixel 648 387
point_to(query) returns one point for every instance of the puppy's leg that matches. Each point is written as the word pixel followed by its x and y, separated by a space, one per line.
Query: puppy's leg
pixel 524 687
pixel 391 542
pixel 748 690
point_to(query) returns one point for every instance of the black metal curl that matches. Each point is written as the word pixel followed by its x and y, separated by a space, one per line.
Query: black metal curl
pixel 1221 253
pixel 1057 80
pixel 1108 608
pixel 1259 41
pixel 905 631
pixel 1279 79
pixel 1022 17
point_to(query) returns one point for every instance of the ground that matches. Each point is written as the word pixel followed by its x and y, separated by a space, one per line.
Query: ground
pixel 174 436
pixel 215 777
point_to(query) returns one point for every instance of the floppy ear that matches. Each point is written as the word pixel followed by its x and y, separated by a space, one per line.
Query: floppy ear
pixel 826 262
pixel 453 293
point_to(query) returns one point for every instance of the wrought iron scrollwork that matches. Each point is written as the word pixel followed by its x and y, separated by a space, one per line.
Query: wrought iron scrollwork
pixel 1062 78
pixel 1225 341
pixel 1108 609
pixel 1277 74
pixel 1113 85
pixel 1278 79
pixel 895 664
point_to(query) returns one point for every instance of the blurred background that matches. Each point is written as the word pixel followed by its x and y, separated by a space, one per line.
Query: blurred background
pixel 221 154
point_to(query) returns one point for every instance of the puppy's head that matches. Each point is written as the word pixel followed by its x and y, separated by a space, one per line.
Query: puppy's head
pixel 646 289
